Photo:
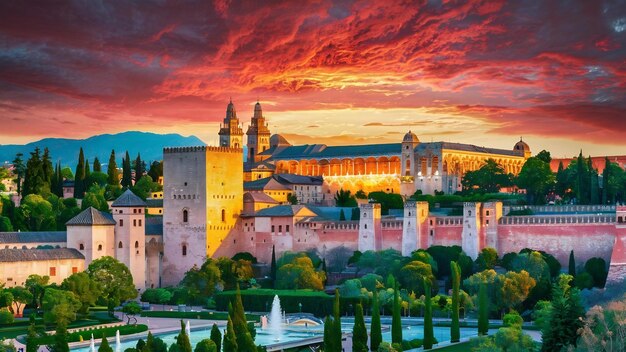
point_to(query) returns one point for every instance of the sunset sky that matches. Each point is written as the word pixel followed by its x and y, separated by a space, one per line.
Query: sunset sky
pixel 337 72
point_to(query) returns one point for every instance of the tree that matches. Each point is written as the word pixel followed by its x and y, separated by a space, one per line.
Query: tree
pixel 359 332
pixel 201 281
pixel 144 186
pixel 376 336
pixel 230 341
pixel 273 269
pixel 483 310
pixel 245 342
pixel 487 259
pixel 490 178
pixel 95 198
pixel 5 224
pixel 154 344
pixel 113 175
pixel 115 280
pixel 140 168
pixel 59 306
pixel 156 170
pixel 565 317
pixel 216 337
pixel 429 336
pixel 85 288
pixel 206 345
pixel 387 201
pixel 19 170
pixel 31 336
pixel 336 330
pixel 596 267
pixel 131 309
pixel 536 178
pixel 413 274
pixel 292 198
pixel 35 214
pixel 21 297
pixel 182 340
pixel 127 180
pixel 342 216
pixel 56 184
pixel 455 332
pixel 79 176
pixel 34 178
pixel 396 322
pixel 515 287
pixel 344 199
pixel 97 167
pixel 36 285
pixel 604 328
pixel 572 264
pixel 104 345
pixel 60 340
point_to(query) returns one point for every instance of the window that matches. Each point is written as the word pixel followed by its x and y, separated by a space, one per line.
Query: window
pixel 365 226
pixel 74 270
pixel 136 244
pixel 119 245
pixel 280 228
pixel 134 211
pixel 487 222
pixel 223 215
pixel 272 228
pixel 487 212
pixel 81 247
pixel 53 271
pixel 185 215
pixel 99 247
pixel 184 250
pixel 121 223
pixel 134 222
pixel 287 228
pixel 139 222
pixel 469 213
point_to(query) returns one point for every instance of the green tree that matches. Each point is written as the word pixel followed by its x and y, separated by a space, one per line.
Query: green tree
pixel 19 170
pixel 127 180
pixel 216 337
pixel 336 330
pixel 536 178
pixel 104 345
pixel 156 170
pixel 5 224
pixel 300 274
pixel 206 345
pixel 396 320
pixel 113 174
pixel 342 216
pixel 387 201
pixel 273 268
pixel 483 310
pixel 182 340
pixel 21 297
pixel 487 259
pixel 34 177
pixel 144 186
pixel 154 344
pixel 131 310
pixel 31 336
pixel 140 168
pixel 60 340
pixel 201 281
pixel 230 340
pixel 455 332
pixel 565 317
pixel 376 336
pixel 59 306
pixel 35 214
pixel 541 314
pixel 95 198
pixel 429 336
pixel 115 280
pixel 85 288
pixel 490 178
pixel 79 176
pixel 359 332
pixel 36 285
pixel 596 267
pixel 572 264
pixel 245 342
pixel 344 199
pixel 413 274
pixel 97 167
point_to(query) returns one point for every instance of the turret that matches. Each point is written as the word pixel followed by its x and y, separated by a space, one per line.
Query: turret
pixel 370 227
pixel 258 134
pixel 408 168
pixel 231 133
pixel 415 217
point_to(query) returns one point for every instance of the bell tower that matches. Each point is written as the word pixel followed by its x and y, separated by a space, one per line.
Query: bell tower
pixel 258 134
pixel 231 133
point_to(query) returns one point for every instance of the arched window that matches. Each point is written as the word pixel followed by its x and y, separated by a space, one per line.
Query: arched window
pixel 184 249
pixel 223 215
pixel 119 245
pixel 136 244
pixel 99 247
pixel 81 247
pixel 185 215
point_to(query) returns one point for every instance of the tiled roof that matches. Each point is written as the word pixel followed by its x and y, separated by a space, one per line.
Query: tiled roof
pixel 154 203
pixel 299 179
pixel 128 199
pixel 33 237
pixel 256 185
pixel 477 149
pixel 28 255
pixel 249 166
pixel 321 151
pixel 154 226
pixel 282 210
pixel 259 197
pixel 91 216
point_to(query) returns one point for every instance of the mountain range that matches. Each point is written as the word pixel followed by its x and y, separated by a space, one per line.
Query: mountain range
pixel 149 145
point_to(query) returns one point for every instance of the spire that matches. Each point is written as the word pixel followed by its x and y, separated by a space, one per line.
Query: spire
pixel 258 112
pixel 231 113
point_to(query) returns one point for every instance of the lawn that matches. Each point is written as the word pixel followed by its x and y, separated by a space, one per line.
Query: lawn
pixel 195 315
pixel 459 347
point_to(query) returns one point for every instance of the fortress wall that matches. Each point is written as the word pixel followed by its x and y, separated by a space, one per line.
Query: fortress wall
pixel 445 236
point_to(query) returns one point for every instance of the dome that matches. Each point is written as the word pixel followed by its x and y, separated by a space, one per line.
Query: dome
pixel 277 140
pixel 521 146
pixel 410 137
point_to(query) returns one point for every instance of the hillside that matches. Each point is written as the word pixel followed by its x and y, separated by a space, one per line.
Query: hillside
pixel 150 145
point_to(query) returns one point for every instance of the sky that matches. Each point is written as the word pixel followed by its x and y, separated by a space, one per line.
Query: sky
pixel 335 72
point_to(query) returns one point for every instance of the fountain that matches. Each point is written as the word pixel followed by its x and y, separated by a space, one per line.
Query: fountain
pixel 276 320
pixel 92 346
pixel 118 343
pixel 188 328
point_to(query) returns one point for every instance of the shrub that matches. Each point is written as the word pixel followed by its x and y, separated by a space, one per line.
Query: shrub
pixel 6 317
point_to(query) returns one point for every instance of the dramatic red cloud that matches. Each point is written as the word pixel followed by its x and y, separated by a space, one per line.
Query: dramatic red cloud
pixel 554 68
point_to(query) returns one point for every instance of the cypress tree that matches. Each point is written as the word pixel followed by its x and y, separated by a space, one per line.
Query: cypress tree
pixel 113 175
pixel 127 178
pixel 79 176
pixel 139 168
pixel 605 181
pixel 31 336
pixel 104 345
pixel 359 332
pixel 342 216
pixel 580 179
pixel 455 332
pixel 33 176
pixel 97 167
pixel 572 264
pixel 182 340
pixel 328 335
pixel 230 341
pixel 56 183
pixel 245 342
pixel 273 267
pixel 396 322
pixel 429 335
pixel 86 184
pixel 19 170
pixel 376 335
pixel 337 336
pixel 594 187
pixel 561 330
pixel 561 180
pixel 216 336
pixel 483 309
pixel 48 171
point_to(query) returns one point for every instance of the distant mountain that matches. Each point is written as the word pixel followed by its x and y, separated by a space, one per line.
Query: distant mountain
pixel 150 145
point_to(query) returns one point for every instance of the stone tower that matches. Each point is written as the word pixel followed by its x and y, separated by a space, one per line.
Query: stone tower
pixel 408 169
pixel 491 212
pixel 617 267
pixel 370 227
pixel 231 133
pixel 92 233
pixel 472 228
pixel 258 134
pixel 413 227
pixel 129 213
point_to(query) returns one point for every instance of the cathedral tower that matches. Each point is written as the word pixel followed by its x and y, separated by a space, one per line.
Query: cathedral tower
pixel 231 134
pixel 258 134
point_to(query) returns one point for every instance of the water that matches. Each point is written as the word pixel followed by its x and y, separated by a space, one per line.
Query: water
pixel 276 320
pixel 188 328
pixel 118 344
pixel 92 345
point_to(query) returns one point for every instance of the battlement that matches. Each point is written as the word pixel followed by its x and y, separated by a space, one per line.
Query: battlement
pixel 568 208
pixel 414 204
pixel 224 150
pixel 558 219
pixel 369 206
pixel 449 221
pixel 471 204
pixel 169 150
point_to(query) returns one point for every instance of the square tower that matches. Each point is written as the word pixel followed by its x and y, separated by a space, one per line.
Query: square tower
pixel 415 216
pixel 92 233
pixel 472 228
pixel 370 227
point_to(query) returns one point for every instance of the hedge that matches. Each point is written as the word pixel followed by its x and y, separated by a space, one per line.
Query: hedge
pixel 195 315
pixel 97 333
pixel 317 303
